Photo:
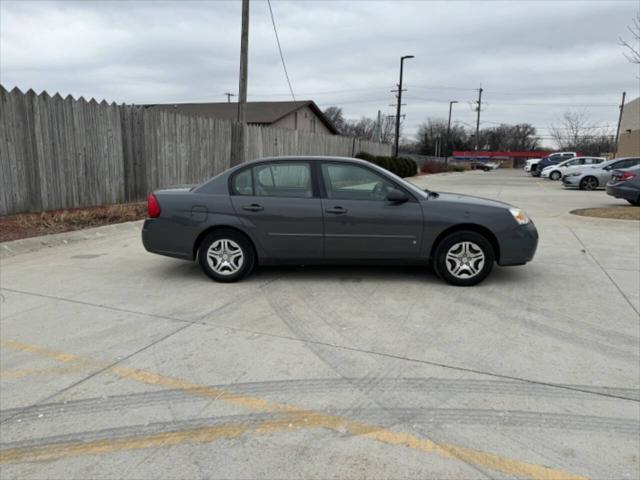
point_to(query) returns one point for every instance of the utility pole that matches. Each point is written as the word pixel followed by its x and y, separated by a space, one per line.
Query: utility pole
pixel 478 119
pixel 229 95
pixel 446 146
pixel 238 157
pixel 624 94
pixel 379 129
pixel 402 59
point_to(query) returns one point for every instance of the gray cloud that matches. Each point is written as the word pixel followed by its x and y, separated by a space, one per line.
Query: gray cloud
pixel 562 54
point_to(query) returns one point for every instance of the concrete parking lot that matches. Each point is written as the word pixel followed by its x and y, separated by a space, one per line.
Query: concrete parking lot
pixel 116 363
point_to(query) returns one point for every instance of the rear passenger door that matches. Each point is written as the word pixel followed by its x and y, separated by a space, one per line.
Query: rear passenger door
pixel 278 203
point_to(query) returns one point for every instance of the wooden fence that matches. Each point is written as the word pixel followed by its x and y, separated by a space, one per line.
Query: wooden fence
pixel 63 153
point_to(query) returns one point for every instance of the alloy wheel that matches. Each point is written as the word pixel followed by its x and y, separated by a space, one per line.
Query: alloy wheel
pixel 590 183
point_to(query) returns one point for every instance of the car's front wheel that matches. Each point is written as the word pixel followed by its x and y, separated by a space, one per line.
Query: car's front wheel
pixel 635 203
pixel 464 258
pixel 555 175
pixel 589 183
pixel 226 256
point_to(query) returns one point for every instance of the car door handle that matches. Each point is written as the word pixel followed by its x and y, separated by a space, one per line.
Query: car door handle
pixel 254 207
pixel 336 210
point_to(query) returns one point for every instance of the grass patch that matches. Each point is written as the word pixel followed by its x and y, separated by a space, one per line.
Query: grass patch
pixel 34 224
pixel 618 213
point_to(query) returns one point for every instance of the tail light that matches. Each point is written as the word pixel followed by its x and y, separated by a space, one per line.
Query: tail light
pixel 153 207
pixel 626 175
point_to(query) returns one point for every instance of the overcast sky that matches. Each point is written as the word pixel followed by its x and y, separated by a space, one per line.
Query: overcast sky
pixel 534 59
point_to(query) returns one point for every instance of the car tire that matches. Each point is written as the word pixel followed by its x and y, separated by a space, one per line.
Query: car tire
pixel 589 183
pixel 226 255
pixel 555 175
pixel 463 258
pixel 635 203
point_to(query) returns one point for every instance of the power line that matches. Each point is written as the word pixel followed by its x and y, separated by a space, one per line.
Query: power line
pixel 284 65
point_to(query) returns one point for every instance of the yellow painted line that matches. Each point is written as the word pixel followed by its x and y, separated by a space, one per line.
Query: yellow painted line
pixel 297 417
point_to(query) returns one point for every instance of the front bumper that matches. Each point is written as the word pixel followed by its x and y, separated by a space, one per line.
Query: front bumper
pixel 545 173
pixel 571 181
pixel 626 192
pixel 518 246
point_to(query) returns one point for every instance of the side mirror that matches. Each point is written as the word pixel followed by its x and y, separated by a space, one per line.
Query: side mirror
pixel 397 196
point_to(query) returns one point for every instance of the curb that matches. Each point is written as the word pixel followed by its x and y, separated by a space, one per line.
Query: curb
pixel 33 244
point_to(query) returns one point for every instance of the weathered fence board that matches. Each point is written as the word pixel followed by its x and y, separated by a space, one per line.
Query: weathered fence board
pixel 62 153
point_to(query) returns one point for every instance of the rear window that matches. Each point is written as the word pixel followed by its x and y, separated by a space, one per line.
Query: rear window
pixel 242 183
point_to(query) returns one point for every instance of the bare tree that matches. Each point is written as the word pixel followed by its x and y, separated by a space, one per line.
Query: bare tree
pixel 335 116
pixel 633 46
pixel 504 137
pixel 574 133
pixel 365 128
pixel 434 130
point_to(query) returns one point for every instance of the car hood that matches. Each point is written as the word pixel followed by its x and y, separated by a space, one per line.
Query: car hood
pixel 468 200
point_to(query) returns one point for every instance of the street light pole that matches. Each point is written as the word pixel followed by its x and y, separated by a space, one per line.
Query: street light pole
pixel 239 131
pixel 478 119
pixel 446 145
pixel 624 95
pixel 402 59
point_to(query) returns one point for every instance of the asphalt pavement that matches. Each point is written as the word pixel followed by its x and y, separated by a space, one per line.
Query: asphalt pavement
pixel 116 363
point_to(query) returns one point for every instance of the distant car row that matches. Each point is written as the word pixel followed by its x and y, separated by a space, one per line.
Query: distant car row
pixel 620 176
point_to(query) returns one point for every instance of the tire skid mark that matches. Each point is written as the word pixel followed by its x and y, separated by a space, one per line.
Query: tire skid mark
pixel 475 458
pixel 422 416
pixel 341 361
pixel 613 337
pixel 569 337
pixel 311 386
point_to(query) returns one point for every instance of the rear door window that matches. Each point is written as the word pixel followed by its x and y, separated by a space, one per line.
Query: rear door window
pixel 283 180
pixel 242 183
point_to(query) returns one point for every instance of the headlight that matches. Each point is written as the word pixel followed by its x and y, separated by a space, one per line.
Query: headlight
pixel 519 216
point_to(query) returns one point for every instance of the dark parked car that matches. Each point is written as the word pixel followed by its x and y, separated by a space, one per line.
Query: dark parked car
pixel 480 166
pixel 626 184
pixel 552 159
pixel 304 210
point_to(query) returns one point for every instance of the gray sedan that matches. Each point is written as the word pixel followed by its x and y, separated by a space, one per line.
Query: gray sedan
pixel 592 177
pixel 302 210
pixel 626 184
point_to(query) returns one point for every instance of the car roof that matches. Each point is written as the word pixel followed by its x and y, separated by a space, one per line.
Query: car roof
pixel 313 158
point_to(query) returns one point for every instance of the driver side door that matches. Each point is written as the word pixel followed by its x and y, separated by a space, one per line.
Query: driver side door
pixel 360 223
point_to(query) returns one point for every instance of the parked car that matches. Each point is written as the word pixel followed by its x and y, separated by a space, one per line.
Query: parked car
pixel 304 210
pixel 625 184
pixel 590 177
pixel 481 166
pixel 552 159
pixel 555 172
pixel 530 164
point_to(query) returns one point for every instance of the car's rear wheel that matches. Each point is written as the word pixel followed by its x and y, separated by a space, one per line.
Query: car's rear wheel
pixel 555 175
pixel 464 258
pixel 635 202
pixel 589 183
pixel 226 256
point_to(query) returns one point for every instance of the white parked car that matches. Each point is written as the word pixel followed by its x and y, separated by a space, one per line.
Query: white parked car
pixel 532 164
pixel 556 172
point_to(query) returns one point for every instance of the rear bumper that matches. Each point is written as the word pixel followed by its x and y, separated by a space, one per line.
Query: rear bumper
pixel 518 246
pixel 158 238
pixel 623 191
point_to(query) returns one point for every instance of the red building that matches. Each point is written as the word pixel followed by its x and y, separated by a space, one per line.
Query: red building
pixel 506 159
